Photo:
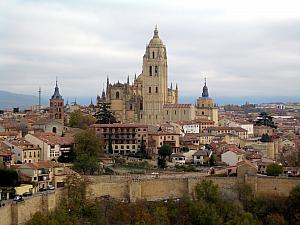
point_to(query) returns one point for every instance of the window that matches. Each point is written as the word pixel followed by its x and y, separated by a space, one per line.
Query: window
pixel 130 107
pixel 184 112
pixel 156 70
pixel 122 146
pixel 116 146
pixel 156 89
pixel 141 107
pixel 167 112
pixel 117 95
pixel 202 113
pixel 153 55
pixel 175 112
pixel 149 90
pixel 150 70
pixel 127 146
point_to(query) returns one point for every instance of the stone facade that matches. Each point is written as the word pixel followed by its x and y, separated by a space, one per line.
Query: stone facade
pixel 148 99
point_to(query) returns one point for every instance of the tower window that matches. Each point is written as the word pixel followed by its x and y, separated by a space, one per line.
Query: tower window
pixel 153 55
pixel 156 89
pixel 156 70
pixel 150 70
pixel 117 95
pixel 202 113
pixel 149 90
pixel 130 107
pixel 141 106
pixel 175 112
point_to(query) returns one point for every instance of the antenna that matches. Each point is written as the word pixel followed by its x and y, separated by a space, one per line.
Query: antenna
pixel 40 93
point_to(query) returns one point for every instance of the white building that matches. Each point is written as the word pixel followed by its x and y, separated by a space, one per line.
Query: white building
pixel 52 145
pixel 233 157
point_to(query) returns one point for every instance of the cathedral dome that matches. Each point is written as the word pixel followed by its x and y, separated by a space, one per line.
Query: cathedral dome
pixel 156 40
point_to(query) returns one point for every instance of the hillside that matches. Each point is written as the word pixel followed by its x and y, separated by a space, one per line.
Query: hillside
pixel 9 100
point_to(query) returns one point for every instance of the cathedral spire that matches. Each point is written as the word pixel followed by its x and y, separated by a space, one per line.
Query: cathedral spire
pixel 135 77
pixel 171 86
pixel 155 31
pixel 128 79
pixel 205 90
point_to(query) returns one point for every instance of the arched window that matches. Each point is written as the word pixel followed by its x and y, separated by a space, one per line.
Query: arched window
pixel 202 113
pixel 54 130
pixel 130 107
pixel 153 55
pixel 150 70
pixel 156 70
pixel 117 95
pixel 149 90
pixel 156 89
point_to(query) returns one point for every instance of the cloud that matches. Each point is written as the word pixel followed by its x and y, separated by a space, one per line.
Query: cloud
pixel 243 48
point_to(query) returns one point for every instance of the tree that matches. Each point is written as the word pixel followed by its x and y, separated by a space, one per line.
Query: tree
pixel 266 120
pixel 9 178
pixel 294 204
pixel 77 119
pixel 165 151
pixel 110 147
pixel 103 114
pixel 207 191
pixel 88 148
pixel 212 160
pixel 265 138
pixel 274 169
pixel 143 149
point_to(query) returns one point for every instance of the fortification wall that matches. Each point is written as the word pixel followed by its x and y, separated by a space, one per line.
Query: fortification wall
pixel 148 189
pixel 272 186
pixel 5 215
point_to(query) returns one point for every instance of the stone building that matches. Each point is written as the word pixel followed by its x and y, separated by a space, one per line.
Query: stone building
pixel 206 106
pixel 57 106
pixel 149 100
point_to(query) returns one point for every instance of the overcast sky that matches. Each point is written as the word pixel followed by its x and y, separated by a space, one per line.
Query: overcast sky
pixel 244 48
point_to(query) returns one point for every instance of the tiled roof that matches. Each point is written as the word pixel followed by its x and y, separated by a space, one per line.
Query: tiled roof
pixel 42 164
pixel 53 139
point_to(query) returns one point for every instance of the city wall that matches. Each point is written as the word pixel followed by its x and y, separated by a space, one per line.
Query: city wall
pixel 149 189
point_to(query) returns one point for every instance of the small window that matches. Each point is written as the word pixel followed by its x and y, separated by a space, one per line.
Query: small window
pixel 202 113
pixel 117 95
pixel 156 89
pixel 149 90
pixel 150 70
pixel 156 70
pixel 153 55
pixel 175 112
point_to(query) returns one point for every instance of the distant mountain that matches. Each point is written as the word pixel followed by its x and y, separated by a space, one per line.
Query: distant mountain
pixel 10 100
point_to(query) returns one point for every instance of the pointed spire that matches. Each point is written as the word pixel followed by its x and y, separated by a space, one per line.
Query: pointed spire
pixel 176 87
pixel 205 90
pixel 56 94
pixel 107 81
pixel 75 102
pixel 155 31
pixel 135 76
pixel 67 101
pixel 103 94
pixel 171 86
pixel 128 79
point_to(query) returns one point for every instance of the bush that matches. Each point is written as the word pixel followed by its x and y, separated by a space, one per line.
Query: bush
pixel 274 169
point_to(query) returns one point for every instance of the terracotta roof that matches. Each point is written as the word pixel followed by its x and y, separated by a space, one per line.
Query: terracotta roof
pixel 53 139
pixel 202 153
pixel 42 164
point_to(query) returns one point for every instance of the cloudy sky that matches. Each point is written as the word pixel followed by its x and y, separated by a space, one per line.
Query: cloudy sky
pixel 244 48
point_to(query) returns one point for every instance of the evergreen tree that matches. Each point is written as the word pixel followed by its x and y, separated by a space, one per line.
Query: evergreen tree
pixel 103 114
pixel 266 120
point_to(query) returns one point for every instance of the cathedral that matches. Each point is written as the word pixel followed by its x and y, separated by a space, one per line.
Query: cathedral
pixel 149 100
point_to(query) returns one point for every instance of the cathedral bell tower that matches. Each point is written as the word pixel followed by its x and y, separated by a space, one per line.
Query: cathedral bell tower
pixel 57 106
pixel 155 80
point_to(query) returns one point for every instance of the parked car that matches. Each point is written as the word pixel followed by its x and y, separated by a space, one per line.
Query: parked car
pixel 26 194
pixel 50 187
pixel 18 198
pixel 42 189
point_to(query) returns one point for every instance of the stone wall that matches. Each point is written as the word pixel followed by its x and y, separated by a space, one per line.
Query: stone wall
pixel 149 189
